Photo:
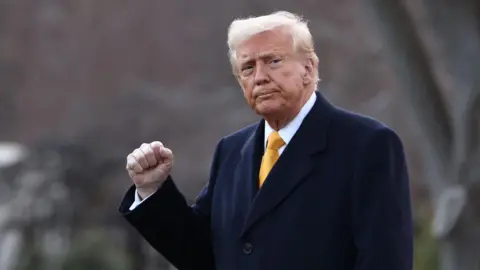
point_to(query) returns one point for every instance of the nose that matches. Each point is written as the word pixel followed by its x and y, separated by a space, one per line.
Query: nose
pixel 261 75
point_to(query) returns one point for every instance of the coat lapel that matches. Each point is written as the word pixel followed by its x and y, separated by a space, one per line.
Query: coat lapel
pixel 295 163
pixel 246 171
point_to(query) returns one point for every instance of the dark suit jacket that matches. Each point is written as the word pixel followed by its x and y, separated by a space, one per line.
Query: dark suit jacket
pixel 337 199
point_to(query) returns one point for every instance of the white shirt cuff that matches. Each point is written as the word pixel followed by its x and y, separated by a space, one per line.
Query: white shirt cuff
pixel 137 200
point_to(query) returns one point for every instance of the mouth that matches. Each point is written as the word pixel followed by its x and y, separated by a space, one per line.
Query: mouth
pixel 266 94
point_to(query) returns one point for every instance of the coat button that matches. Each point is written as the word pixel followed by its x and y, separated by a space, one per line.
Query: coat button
pixel 247 248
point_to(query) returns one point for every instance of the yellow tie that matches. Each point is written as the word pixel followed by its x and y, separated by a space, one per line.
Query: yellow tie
pixel 271 155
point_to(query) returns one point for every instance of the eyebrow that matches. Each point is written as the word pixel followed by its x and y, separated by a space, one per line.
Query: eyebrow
pixel 263 55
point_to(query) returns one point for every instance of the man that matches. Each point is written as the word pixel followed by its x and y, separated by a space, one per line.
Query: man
pixel 310 186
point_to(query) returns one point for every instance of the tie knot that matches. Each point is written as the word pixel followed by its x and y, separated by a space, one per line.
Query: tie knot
pixel 275 141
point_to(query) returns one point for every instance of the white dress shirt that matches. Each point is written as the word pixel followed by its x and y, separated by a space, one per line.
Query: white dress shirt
pixel 286 133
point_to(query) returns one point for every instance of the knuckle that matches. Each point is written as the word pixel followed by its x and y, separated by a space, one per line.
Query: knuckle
pixel 157 143
pixel 146 149
pixel 138 153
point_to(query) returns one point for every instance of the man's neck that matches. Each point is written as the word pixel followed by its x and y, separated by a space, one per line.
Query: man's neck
pixel 277 123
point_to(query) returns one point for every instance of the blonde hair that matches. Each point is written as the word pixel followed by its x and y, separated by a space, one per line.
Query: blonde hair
pixel 243 29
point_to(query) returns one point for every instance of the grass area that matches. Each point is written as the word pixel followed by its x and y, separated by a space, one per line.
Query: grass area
pixel 426 246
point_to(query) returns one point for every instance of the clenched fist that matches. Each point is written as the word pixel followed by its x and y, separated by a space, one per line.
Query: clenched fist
pixel 149 166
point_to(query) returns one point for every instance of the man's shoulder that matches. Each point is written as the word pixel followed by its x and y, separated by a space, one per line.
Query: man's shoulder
pixel 242 134
pixel 234 141
pixel 359 125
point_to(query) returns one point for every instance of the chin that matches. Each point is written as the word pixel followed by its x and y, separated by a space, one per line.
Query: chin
pixel 268 108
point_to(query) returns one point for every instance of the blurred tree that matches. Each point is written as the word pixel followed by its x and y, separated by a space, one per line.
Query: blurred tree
pixel 94 250
pixel 441 77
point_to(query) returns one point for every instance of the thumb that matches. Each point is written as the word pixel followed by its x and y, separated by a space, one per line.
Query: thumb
pixel 166 154
pixel 157 149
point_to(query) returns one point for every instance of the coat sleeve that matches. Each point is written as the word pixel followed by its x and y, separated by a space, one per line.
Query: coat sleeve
pixel 180 232
pixel 381 206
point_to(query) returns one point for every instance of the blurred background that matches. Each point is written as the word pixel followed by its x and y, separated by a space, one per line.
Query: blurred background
pixel 83 83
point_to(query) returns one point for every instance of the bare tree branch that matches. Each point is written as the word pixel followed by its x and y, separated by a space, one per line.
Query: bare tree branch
pixel 469 170
pixel 415 73
pixel 455 23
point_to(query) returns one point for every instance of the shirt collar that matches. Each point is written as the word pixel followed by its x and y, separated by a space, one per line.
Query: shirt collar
pixel 288 131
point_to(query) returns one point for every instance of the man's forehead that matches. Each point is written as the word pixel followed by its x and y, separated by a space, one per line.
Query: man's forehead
pixel 264 44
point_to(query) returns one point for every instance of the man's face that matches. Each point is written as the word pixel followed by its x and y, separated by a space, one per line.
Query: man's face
pixel 273 77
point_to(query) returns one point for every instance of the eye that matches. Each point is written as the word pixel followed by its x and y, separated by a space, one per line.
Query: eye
pixel 247 69
pixel 276 61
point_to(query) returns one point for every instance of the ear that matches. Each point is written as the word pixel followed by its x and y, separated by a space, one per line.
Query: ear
pixel 308 75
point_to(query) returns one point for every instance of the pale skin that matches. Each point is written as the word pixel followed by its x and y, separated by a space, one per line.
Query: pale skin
pixel 276 82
